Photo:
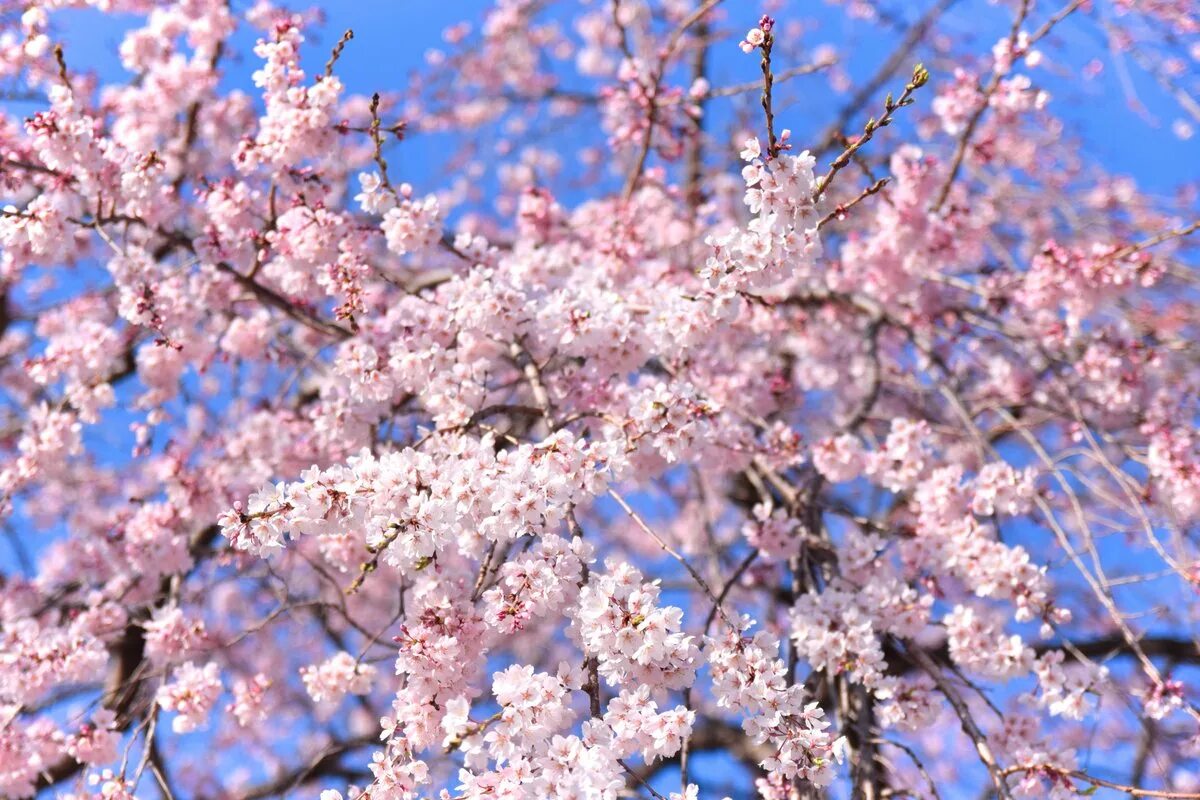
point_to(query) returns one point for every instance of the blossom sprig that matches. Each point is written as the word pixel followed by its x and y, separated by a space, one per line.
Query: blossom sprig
pixel 762 39
pixel 920 77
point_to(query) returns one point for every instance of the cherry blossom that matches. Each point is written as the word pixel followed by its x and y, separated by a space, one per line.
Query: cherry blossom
pixel 609 407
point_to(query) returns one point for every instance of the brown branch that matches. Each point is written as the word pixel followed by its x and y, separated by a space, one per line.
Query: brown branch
pixel 695 157
pixel 337 52
pixel 272 298
pixel 780 77
pixel 125 679
pixel 1165 236
pixel 839 212
pixel 655 85
pixel 324 763
pixel 969 726
pixel 920 76
pixel 1179 650
pixel 768 84
pixel 1132 791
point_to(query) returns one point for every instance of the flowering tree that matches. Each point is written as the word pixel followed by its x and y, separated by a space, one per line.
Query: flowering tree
pixel 596 469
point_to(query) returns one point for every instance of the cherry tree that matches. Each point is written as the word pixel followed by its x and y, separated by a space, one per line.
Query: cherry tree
pixel 663 440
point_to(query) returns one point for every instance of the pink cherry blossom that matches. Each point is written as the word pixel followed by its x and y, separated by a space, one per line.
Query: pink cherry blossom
pixel 608 406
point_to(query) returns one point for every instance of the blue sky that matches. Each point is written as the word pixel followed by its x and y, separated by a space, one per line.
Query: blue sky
pixel 392 37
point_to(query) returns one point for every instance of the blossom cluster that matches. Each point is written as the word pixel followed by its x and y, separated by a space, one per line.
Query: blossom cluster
pixel 781 241
pixel 748 677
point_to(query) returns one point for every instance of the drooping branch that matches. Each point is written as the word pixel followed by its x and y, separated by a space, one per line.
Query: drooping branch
pixel 324 764
pixel 123 689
